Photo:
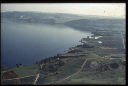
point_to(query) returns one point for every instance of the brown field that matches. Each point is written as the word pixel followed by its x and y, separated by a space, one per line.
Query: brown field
pixel 10 74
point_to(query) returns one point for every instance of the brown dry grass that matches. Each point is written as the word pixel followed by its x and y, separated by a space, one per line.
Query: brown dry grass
pixel 10 74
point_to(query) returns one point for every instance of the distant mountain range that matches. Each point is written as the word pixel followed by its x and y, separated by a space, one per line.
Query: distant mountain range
pixel 82 22
pixel 40 17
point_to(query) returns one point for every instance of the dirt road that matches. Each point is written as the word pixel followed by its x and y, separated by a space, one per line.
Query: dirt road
pixel 18 78
pixel 36 78
pixel 70 75
pixel 38 75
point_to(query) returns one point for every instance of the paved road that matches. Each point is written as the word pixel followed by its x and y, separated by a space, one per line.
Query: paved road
pixel 70 75
pixel 123 40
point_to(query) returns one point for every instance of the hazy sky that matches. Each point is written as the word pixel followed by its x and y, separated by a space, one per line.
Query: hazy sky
pixel 103 9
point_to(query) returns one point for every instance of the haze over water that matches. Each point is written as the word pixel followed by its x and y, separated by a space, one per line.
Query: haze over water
pixel 27 43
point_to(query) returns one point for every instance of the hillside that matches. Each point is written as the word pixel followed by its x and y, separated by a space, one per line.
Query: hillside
pixel 67 19
pixel 95 24
pixel 39 17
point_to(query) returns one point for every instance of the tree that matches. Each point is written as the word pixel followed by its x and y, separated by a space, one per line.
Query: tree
pixel 17 65
pixel 36 62
pixel 61 63
pixel 20 64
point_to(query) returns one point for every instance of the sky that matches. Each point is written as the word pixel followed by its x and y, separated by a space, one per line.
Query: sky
pixel 101 9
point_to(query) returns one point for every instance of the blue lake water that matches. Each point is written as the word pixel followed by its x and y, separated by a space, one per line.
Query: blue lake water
pixel 27 43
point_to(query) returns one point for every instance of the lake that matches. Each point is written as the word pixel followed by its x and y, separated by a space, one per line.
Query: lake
pixel 27 43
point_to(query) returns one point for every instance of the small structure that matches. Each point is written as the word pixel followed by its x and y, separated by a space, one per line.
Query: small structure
pixel 99 41
pixel 107 57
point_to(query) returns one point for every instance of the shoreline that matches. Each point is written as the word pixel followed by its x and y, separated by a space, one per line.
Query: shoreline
pixel 93 36
pixel 81 58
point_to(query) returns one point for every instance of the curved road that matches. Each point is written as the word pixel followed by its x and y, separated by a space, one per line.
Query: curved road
pixel 70 75
pixel 37 75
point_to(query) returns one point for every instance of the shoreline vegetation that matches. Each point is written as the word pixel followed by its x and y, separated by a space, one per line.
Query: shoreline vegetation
pixel 101 59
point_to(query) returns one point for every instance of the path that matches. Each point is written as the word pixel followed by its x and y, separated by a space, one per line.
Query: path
pixel 36 78
pixel 70 75
pixel 38 74
pixel 18 77
pixel 24 76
